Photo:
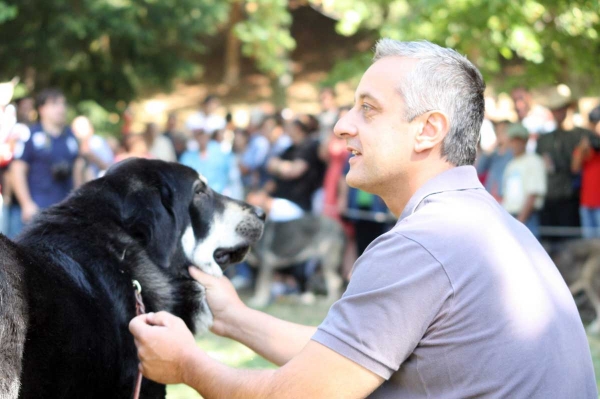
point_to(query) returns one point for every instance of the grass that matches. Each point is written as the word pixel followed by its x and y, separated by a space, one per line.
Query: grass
pixel 237 355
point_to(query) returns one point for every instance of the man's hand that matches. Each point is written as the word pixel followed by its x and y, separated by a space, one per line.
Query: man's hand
pixel 222 299
pixel 164 346
pixel 28 211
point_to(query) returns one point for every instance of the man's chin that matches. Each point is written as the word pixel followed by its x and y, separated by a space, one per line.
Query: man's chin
pixel 356 181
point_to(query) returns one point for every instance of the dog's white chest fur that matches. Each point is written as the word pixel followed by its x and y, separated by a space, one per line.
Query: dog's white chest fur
pixel 204 320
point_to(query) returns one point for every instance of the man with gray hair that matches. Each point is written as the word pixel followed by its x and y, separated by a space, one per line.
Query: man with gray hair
pixel 457 300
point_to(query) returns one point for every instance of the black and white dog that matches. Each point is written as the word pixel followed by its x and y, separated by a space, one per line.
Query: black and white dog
pixel 69 284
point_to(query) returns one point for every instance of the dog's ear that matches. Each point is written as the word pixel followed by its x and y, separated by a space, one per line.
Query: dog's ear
pixel 148 216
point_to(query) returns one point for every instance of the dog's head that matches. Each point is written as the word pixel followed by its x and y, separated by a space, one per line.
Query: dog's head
pixel 174 214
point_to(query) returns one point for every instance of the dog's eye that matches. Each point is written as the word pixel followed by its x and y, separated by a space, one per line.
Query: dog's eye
pixel 199 188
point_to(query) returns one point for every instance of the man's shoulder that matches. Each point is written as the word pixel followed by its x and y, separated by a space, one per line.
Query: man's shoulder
pixel 449 217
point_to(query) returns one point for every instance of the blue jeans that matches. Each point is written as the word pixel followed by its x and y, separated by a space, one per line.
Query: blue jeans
pixel 590 222
pixel 11 221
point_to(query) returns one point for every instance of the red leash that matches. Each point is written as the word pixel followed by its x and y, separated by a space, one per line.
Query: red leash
pixel 139 309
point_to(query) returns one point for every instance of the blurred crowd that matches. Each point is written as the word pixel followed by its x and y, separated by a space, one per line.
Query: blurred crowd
pixel 543 170
pixel 289 166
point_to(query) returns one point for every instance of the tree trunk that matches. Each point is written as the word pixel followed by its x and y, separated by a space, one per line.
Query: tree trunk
pixel 232 51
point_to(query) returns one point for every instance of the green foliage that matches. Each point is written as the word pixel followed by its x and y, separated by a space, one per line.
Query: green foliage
pixel 266 36
pixel 106 50
pixel 7 12
pixel 533 42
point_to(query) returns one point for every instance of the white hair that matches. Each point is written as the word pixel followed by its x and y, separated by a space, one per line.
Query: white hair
pixel 446 81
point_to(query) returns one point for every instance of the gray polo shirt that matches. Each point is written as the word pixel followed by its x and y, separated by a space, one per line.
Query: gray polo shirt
pixel 460 300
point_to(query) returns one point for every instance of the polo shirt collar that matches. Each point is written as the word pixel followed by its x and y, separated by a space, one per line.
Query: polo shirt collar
pixel 455 179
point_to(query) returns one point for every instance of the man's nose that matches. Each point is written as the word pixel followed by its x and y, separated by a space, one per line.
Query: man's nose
pixel 345 125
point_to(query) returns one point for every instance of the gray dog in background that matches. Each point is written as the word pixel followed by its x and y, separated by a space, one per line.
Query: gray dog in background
pixel 579 263
pixel 289 243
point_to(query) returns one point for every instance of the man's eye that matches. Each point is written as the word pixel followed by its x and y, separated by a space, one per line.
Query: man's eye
pixel 366 107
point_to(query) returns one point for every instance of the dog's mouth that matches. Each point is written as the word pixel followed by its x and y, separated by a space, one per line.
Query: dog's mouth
pixel 228 256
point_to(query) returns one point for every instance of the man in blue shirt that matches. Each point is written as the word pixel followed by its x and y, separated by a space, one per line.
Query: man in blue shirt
pixel 210 161
pixel 43 165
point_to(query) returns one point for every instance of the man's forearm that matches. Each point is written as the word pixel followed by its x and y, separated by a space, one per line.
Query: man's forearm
pixel 274 339
pixel 527 208
pixel 18 171
pixel 213 379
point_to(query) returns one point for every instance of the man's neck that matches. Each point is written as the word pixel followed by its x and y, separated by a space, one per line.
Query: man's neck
pixel 397 198
pixel 52 129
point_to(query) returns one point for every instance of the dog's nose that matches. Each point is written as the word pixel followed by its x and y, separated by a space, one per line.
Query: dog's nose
pixel 260 213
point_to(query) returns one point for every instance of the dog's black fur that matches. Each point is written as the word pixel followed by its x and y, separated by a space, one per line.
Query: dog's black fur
pixel 79 259
pixel 13 317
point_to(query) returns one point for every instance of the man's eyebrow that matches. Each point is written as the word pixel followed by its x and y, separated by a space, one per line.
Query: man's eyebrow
pixel 369 96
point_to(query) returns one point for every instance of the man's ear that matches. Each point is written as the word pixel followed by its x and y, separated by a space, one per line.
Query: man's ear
pixel 434 129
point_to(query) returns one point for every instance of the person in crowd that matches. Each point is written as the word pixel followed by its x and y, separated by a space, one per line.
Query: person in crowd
pixel 42 170
pixel 177 138
pixel 329 113
pixel 333 152
pixel 536 118
pixel 161 147
pixel 524 180
pixel 134 146
pixel 255 154
pixel 586 160
pixel 95 155
pixel 207 117
pixel 279 139
pixel 25 110
pixel 297 172
pixel 210 161
pixel 561 206
pixel 440 306
pixel 17 132
pixel 492 163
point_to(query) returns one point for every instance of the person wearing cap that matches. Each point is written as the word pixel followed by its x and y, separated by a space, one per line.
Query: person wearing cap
pixel 586 159
pixel 561 206
pixel 457 300
pixel 524 180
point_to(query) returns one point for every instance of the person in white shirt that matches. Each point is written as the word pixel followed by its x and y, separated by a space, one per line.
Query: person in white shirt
pixel 524 181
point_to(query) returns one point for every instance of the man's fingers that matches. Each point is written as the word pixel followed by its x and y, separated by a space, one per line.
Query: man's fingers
pixel 138 324
pixel 161 319
pixel 201 277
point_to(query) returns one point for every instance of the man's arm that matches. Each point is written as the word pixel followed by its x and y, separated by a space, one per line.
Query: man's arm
pixel 581 153
pixel 18 171
pixel 287 170
pixel 274 339
pixel 169 355
pixel 528 208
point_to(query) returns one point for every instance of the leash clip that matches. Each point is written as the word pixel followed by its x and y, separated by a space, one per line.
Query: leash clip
pixel 137 286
